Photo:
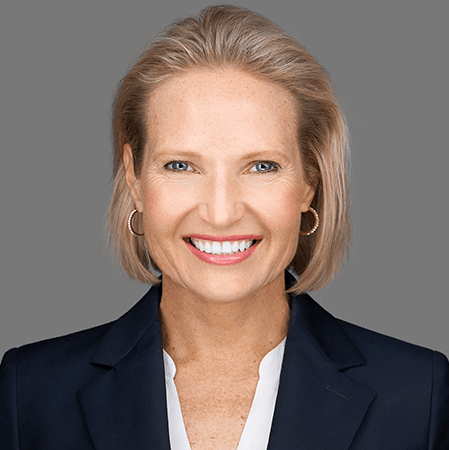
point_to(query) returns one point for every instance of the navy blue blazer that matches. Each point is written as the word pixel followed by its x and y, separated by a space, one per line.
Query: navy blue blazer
pixel 342 387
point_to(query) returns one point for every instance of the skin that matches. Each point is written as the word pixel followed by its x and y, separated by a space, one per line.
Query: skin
pixel 218 321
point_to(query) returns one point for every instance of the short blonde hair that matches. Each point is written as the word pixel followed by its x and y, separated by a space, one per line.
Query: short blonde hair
pixel 234 37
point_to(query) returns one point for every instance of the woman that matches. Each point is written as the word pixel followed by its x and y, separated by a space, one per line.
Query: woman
pixel 230 168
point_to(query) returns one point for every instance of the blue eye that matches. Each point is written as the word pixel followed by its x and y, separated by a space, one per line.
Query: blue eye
pixel 178 166
pixel 265 166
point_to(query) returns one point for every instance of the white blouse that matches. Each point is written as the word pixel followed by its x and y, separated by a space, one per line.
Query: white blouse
pixel 258 424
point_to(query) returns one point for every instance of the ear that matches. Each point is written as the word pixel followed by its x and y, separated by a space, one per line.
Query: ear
pixel 308 194
pixel 132 181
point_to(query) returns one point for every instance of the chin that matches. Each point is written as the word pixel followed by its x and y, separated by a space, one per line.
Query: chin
pixel 225 289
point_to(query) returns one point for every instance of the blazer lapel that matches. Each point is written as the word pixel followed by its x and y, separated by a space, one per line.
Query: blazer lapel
pixel 125 407
pixel 318 406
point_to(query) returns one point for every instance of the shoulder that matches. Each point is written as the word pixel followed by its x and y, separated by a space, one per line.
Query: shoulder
pixel 75 350
pixel 396 364
pixel 68 353
pixel 78 357
pixel 38 379
pixel 351 346
pixel 410 381
pixel 396 368
pixel 376 346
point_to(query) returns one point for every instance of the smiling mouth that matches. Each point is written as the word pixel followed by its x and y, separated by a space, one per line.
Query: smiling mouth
pixel 222 248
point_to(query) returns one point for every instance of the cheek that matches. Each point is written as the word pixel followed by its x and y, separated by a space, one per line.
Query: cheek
pixel 165 203
pixel 280 206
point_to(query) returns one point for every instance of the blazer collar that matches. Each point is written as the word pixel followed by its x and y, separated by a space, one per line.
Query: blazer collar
pixel 317 404
pixel 125 407
pixel 322 328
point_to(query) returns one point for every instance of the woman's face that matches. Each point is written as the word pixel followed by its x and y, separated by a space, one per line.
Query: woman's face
pixel 223 164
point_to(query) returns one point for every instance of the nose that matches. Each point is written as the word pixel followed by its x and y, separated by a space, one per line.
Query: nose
pixel 221 204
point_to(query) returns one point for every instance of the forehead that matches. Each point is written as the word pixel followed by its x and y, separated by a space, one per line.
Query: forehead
pixel 224 106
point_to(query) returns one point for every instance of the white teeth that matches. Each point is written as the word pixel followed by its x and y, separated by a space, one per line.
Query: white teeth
pixel 226 247
pixel 217 248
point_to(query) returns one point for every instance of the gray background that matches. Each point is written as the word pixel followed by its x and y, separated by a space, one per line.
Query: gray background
pixel 60 61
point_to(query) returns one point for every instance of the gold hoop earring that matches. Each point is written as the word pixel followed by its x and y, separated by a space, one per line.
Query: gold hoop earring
pixel 130 227
pixel 315 227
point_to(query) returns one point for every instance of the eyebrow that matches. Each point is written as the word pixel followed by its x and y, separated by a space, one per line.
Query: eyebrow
pixel 266 153
pixel 181 153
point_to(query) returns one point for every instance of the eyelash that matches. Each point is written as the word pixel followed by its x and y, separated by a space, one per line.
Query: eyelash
pixel 271 163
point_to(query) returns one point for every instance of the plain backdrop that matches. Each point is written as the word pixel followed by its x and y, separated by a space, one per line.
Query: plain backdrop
pixel 60 63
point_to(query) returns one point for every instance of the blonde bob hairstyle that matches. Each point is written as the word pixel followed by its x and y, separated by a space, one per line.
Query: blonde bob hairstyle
pixel 227 36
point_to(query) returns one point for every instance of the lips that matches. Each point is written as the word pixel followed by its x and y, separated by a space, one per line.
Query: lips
pixel 222 250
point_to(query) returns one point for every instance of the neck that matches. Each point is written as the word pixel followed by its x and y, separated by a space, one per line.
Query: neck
pixel 198 330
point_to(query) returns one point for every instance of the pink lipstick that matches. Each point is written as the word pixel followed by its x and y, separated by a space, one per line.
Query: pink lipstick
pixel 223 260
